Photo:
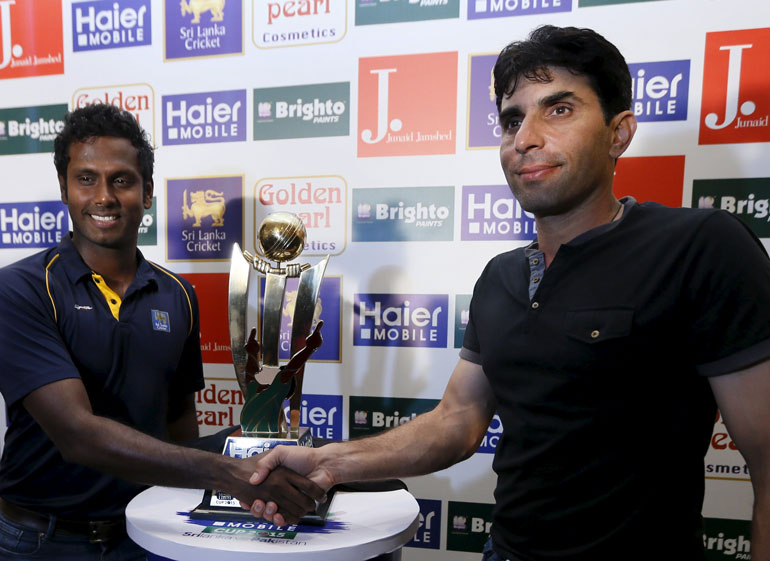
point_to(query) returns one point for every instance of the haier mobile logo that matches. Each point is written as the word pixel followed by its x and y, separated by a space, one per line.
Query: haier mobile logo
pixel 392 120
pixel 302 111
pixel 490 212
pixel 403 214
pixel 660 90
pixel 25 130
pixel 428 535
pixel 296 23
pixel 198 28
pixel 746 198
pixel 483 120
pixel 490 440
pixel 372 415
pixel 503 8
pixel 391 11
pixel 137 99
pixel 109 25
pixel 30 38
pixel 320 201
pixel 37 224
pixel 468 526
pixel 204 217
pixel 322 414
pixel 736 87
pixel 400 320
pixel 204 117
pixel 725 539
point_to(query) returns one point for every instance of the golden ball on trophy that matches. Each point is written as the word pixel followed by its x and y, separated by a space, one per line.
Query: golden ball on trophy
pixel 282 236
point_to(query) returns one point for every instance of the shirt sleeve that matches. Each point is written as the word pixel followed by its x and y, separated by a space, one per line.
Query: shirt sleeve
pixel 189 374
pixel 33 352
pixel 727 294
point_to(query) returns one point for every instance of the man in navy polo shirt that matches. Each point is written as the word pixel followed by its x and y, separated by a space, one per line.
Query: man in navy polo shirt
pixel 621 327
pixel 99 364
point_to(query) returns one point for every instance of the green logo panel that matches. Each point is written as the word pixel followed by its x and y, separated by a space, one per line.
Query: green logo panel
pixel 306 111
pixel 29 130
pixel 462 307
pixel 371 415
pixel 148 229
pixel 726 540
pixel 746 198
pixel 391 11
pixel 467 526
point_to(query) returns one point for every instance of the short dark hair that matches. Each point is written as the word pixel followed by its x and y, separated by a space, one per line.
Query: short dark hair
pixel 581 51
pixel 102 119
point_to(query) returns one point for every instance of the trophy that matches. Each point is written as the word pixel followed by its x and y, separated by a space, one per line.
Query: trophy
pixel 264 382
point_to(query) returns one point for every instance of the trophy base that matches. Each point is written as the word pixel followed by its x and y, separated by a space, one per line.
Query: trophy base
pixel 217 505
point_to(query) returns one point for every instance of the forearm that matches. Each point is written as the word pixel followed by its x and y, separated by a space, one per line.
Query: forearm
pixel 760 525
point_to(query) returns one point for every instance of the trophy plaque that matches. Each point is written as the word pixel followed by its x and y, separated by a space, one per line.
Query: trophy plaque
pixel 264 382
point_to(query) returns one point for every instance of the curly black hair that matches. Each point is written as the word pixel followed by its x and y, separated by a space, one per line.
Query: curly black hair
pixel 101 119
pixel 581 51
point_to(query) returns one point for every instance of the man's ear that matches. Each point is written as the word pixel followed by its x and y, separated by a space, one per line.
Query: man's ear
pixel 63 188
pixel 147 194
pixel 623 126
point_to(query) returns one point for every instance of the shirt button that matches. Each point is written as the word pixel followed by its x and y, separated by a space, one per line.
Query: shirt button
pixel 535 305
pixel 536 261
pixel 114 301
pixel 594 334
pixel 536 279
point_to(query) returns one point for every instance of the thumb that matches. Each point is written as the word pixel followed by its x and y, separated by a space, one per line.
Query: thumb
pixel 265 464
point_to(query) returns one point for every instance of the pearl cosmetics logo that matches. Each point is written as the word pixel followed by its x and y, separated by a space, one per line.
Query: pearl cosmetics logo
pixel 26 130
pixel 202 28
pixel 320 202
pixel 109 25
pixel 391 11
pixel 428 535
pixel 36 224
pixel 372 415
pixel 660 90
pixel 403 214
pixel 30 38
pixel 207 117
pixel 302 111
pixel 204 217
pixel 392 120
pixel 503 8
pixel 723 459
pixel 400 320
pixel 746 198
pixel 736 87
pixel 296 23
pixel 491 213
pixel 483 121
pixel 137 99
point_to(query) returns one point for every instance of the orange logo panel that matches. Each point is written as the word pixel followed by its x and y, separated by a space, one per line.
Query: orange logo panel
pixel 651 178
pixel 407 105
pixel 211 289
pixel 736 87
pixel 30 38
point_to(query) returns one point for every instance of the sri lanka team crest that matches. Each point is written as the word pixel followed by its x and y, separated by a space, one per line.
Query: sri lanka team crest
pixel 204 217
pixel 198 28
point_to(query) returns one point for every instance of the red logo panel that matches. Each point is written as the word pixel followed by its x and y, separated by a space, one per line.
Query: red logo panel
pixel 211 289
pixel 30 38
pixel 651 178
pixel 736 87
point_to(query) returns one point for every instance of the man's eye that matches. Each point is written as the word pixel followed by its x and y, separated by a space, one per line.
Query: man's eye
pixel 512 124
pixel 561 110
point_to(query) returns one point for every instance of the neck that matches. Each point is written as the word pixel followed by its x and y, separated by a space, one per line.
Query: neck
pixel 555 230
pixel 116 265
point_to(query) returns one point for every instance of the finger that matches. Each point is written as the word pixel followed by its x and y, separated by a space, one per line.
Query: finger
pixel 258 508
pixel 306 486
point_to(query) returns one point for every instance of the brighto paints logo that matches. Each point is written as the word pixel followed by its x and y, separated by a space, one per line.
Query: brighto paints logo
pixel 109 25
pixel 26 130
pixel 660 90
pixel 400 320
pixel 746 198
pixel 37 224
pixel 204 117
pixel 372 415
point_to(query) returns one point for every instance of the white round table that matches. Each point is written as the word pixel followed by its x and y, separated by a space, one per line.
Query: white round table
pixel 359 526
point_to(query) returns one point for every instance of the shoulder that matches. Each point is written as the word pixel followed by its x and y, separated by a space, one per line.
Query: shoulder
pixel 29 273
pixel 172 281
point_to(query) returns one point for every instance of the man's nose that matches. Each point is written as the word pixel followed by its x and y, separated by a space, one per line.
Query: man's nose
pixel 529 136
pixel 104 192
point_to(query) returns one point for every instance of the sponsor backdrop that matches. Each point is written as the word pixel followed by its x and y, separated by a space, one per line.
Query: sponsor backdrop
pixel 374 121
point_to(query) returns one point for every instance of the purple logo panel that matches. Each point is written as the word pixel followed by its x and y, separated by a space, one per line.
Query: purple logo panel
pixel 197 29
pixel 660 90
pixel 483 122
pixel 478 9
pixel 206 117
pixel 491 213
pixel 400 320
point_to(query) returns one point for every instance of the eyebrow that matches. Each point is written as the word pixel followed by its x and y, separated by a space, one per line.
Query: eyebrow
pixel 555 97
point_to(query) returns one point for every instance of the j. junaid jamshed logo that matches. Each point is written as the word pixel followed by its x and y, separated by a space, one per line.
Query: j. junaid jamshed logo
pixel 736 87
pixel 30 38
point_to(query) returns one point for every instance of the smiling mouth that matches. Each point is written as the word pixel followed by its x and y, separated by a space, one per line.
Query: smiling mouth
pixel 104 219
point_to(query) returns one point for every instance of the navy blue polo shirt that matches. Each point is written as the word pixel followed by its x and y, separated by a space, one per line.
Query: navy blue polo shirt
pixel 57 323
pixel 600 375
